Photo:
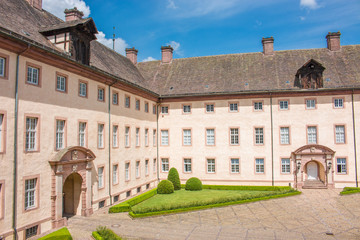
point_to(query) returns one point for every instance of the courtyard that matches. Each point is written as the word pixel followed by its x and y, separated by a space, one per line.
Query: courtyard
pixel 315 214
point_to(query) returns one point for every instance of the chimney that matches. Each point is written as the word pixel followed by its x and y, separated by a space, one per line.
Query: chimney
pixel 166 54
pixel 35 3
pixel 131 53
pixel 268 45
pixel 73 14
pixel 333 41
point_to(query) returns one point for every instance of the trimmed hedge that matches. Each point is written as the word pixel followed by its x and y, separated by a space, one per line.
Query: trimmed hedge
pixel 193 184
pixel 350 190
pixel 165 187
pixel 173 177
pixel 148 214
pixel 62 233
pixel 126 205
pixel 104 233
pixel 248 188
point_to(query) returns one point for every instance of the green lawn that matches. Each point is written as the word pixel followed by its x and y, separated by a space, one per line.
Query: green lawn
pixel 62 233
pixel 183 199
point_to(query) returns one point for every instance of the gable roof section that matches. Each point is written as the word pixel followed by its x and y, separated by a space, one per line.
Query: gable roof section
pixel 250 71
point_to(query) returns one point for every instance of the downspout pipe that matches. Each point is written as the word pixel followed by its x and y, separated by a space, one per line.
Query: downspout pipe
pixel 16 113
pixel 272 141
pixel 109 138
pixel 157 142
pixel 354 133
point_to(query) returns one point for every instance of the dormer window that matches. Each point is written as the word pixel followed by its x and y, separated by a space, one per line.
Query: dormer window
pixel 310 75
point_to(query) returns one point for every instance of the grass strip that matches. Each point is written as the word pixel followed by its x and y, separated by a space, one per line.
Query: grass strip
pixel 62 233
pixel 350 190
pixel 248 188
pixel 148 214
pixel 126 205
pixel 104 233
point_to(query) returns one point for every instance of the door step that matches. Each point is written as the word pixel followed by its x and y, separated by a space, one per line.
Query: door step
pixel 314 185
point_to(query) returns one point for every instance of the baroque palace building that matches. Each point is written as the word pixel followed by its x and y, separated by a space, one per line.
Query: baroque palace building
pixel 83 127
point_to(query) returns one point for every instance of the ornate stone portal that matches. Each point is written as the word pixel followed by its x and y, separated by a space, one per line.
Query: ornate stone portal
pixel 66 162
pixel 315 158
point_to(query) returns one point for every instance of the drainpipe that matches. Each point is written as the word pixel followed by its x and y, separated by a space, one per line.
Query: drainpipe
pixel 272 143
pixel 157 142
pixel 109 142
pixel 15 141
pixel 354 133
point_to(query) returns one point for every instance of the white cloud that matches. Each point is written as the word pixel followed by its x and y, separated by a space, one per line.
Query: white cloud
pixel 302 18
pixel 57 7
pixel 171 4
pixel 312 4
pixel 176 47
pixel 120 44
pixel 148 59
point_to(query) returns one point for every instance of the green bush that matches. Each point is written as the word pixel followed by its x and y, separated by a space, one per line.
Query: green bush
pixel 165 187
pixel 248 188
pixel 96 236
pixel 106 234
pixel 173 177
pixel 350 190
pixel 126 205
pixel 62 233
pixel 193 184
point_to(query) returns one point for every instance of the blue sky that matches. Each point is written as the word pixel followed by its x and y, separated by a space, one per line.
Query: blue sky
pixel 213 27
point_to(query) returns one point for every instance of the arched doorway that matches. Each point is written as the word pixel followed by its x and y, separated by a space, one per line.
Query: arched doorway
pixel 312 171
pixel 72 195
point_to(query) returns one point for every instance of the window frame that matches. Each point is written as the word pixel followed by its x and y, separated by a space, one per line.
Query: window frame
pixel 102 135
pixel 263 136
pixel 116 175
pixel 335 133
pixel 127 136
pixel 137 104
pixel 346 166
pixel 238 136
pixel 85 133
pixel 334 102
pixel 146 137
pixel 154 165
pixel 99 89
pixel 127 174
pixel 288 104
pixel 126 103
pixel 154 137
pixel 310 108
pixel 57 119
pixel 165 106
pixel 37 133
pixel 288 135
pixel 255 164
pixel 115 139
pixel 161 137
pixel 187 164
pixel 185 105
pixel 137 169
pixel 66 77
pixel 115 93
pixel 205 107
pixel 147 168
pixel 3 131
pixel 231 165
pixel 206 137
pixel 6 58
pixel 137 137
pixel 162 164
pixel 258 103
pixel 2 199
pixel 36 193
pixel 102 176
pixel 86 84
pixel 34 66
pixel 146 106
pixel 281 165
pixel 154 109
pixel 183 137
pixel 229 106
pixel 207 165
pixel 316 132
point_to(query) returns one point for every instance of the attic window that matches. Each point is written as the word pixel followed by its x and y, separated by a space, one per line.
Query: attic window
pixel 310 75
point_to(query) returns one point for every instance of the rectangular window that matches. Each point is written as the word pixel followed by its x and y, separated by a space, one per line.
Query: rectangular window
pixel 101 94
pixel 31 134
pixel 146 107
pixel 312 135
pixel 210 137
pixel 137 137
pixel 187 137
pixel 33 75
pixel 284 105
pixel 258 106
pixel 164 137
pixel 146 167
pixel 210 165
pixel 233 107
pixel 127 171
pixel 115 98
pixel 82 134
pixel 127 136
pixel 164 109
pixel 339 103
pixel 234 136
pixel 285 165
pixel 310 103
pixel 259 165
pixel 30 193
pixel 1 137
pixel 154 137
pixel 100 135
pixel 341 165
pixel 101 177
pixel 30 232
pixel 137 169
pixel 127 101
pixel 210 108
pixel 284 135
pixel 61 83
pixel 137 104
pixel 235 165
pixel 60 134
pixel 186 109
pixel 340 134
pixel 154 109
pixel 115 177
pixel 116 198
pixel 115 136
pixel 259 136
pixel 187 165
pixel 146 137
pixel 2 67
pixel 154 165
pixel 164 164
pixel 102 204
pixel 82 89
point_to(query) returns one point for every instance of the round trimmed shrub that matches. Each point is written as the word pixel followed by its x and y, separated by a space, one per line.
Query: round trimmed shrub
pixel 173 177
pixel 193 184
pixel 165 187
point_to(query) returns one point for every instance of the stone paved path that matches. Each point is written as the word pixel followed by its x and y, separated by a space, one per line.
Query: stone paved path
pixel 310 215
